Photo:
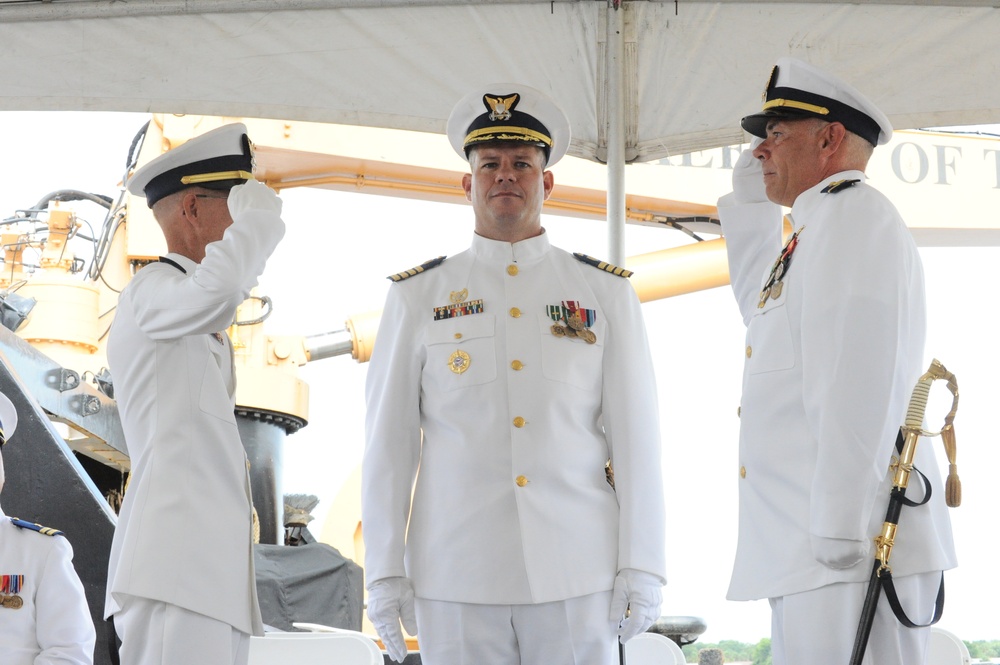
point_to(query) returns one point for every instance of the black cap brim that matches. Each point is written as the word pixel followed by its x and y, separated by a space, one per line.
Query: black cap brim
pixel 756 124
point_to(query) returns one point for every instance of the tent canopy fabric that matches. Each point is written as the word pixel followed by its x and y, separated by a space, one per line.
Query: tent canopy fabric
pixel 690 69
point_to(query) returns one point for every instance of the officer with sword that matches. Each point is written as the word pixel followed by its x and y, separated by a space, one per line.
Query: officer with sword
pixel 835 340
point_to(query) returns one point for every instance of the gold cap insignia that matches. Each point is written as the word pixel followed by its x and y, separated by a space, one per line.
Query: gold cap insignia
pixel 500 107
pixel 770 83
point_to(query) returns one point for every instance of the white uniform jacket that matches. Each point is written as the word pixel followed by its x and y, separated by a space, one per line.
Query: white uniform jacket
pixel 184 535
pixel 511 504
pixel 53 625
pixel 830 366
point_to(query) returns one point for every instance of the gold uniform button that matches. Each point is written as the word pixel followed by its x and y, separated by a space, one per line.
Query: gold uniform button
pixel 517 365
pixel 743 472
pixel 749 351
pixel 521 481
pixel 458 335
pixel 512 270
pixel 519 422
pixel 515 312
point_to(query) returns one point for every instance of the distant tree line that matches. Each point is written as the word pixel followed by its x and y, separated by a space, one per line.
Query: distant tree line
pixel 760 653
pixel 733 651
pixel 984 649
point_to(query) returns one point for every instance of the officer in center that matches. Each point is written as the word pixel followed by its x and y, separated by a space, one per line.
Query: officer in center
pixel 518 378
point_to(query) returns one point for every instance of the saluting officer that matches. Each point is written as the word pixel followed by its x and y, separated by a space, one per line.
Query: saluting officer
pixel 181 582
pixel 835 340
pixel 44 618
pixel 517 377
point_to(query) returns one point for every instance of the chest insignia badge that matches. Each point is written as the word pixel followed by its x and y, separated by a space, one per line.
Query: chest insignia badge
pixel 459 362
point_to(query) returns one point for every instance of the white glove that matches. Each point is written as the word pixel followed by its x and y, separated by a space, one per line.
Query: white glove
pixel 748 177
pixel 639 593
pixel 253 195
pixel 390 602
pixel 839 553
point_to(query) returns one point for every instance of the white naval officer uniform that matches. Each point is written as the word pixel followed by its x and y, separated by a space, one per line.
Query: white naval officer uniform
pixel 53 624
pixel 830 366
pixel 511 504
pixel 184 535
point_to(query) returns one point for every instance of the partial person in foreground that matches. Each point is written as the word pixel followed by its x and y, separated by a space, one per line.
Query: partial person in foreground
pixel 44 617
pixel 517 377
pixel 181 583
pixel 835 341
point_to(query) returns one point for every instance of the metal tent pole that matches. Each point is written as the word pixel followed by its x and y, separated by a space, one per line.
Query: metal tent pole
pixel 615 55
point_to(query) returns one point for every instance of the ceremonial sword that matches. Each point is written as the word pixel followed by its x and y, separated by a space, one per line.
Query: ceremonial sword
pixel 906 446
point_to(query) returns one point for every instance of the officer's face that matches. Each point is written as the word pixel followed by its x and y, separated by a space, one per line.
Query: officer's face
pixel 213 214
pixel 507 187
pixel 791 157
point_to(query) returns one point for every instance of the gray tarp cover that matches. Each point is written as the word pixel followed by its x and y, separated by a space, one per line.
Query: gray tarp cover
pixel 310 583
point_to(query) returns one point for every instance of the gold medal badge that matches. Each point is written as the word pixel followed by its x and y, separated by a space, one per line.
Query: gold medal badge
pixel 570 322
pixel 580 329
pixel 459 362
pixel 13 601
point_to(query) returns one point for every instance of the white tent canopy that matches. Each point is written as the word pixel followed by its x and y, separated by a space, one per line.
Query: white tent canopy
pixel 688 70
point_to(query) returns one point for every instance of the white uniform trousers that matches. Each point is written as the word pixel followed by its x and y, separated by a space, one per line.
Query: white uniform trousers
pixel 566 632
pixel 157 633
pixel 818 626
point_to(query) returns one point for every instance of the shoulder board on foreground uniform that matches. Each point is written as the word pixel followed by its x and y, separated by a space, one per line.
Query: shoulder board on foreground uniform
pixel 44 530
pixel 406 274
pixel 839 186
pixel 603 265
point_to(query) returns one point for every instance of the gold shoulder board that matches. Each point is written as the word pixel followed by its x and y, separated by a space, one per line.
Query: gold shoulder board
pixel 31 526
pixel 406 274
pixel 603 265
pixel 839 186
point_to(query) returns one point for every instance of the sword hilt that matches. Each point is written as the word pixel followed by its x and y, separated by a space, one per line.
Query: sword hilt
pixel 918 400
pixel 912 430
pixel 937 371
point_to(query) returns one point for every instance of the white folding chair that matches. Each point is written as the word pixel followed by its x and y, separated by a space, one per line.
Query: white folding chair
pixel 944 648
pixel 653 649
pixel 340 648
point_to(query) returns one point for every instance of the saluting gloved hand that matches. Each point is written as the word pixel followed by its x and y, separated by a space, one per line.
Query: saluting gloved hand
pixel 839 553
pixel 390 602
pixel 253 195
pixel 748 177
pixel 640 593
